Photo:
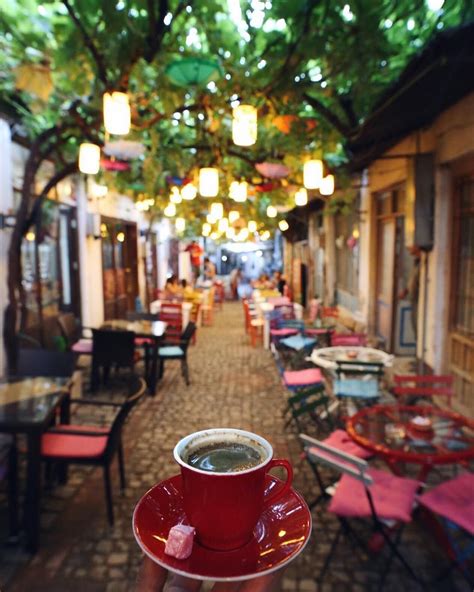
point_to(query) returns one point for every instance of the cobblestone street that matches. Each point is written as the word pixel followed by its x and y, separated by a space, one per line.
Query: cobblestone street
pixel 234 385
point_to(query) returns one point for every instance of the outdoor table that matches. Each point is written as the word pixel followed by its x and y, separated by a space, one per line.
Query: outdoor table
pixel 388 431
pixel 153 330
pixel 27 406
pixel 264 309
pixel 328 357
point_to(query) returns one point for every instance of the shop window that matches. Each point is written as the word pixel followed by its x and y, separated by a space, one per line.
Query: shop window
pixel 463 293
pixel 347 252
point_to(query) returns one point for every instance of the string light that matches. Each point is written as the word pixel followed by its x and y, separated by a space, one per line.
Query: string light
pixel 272 212
pixel 283 225
pixel 301 197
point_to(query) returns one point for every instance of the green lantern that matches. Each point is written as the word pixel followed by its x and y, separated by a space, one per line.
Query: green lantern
pixel 193 71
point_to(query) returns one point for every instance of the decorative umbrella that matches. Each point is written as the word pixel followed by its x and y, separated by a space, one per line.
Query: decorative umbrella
pixel 272 170
pixel 178 180
pixel 114 165
pixel 284 122
pixel 193 71
pixel 124 149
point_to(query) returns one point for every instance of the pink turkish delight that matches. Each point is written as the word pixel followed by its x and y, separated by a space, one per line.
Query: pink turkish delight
pixel 180 541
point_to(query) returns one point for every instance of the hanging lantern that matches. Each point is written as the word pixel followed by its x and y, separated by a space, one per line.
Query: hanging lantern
pixel 208 182
pixel 170 210
pixel 189 192
pixel 312 174
pixel 89 158
pixel 238 191
pixel 243 234
pixel 180 224
pixel 265 235
pixel 206 229
pixel 283 225
pixel 223 225
pixel 301 197
pixel 117 113
pixel 327 185
pixel 217 211
pixel 244 125
pixel 210 219
pixel 252 226
pixel 175 196
pixel 272 212
pixel 234 215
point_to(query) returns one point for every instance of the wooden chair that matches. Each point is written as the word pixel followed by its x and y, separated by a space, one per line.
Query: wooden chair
pixel 93 445
pixel 172 314
pixel 418 386
pixel 45 362
pixel 207 309
pixel 356 339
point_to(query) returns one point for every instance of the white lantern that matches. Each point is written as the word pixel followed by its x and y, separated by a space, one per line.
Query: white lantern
pixel 327 185
pixel 312 173
pixel 175 196
pixel 206 229
pixel 252 226
pixel 272 212
pixel 283 225
pixel 117 113
pixel 180 224
pixel 217 211
pixel 234 215
pixel 301 197
pixel 238 191
pixel 170 210
pixel 208 182
pixel 244 125
pixel 189 192
pixel 243 234
pixel 223 225
pixel 89 158
pixel 265 235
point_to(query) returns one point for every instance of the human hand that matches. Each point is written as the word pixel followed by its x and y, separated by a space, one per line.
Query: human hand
pixel 154 578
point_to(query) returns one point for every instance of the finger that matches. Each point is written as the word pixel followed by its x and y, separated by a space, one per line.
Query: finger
pixel 226 587
pixel 268 583
pixel 151 577
pixel 181 584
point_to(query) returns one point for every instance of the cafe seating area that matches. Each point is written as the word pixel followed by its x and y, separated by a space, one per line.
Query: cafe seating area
pixel 128 435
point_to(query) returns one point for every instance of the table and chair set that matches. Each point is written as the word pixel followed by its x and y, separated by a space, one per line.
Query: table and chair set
pixel 47 420
pixel 382 452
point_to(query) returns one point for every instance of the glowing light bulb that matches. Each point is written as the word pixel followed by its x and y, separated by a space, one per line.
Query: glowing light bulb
pixel 312 173
pixel 283 225
pixel 272 212
pixel 170 210
pixel 217 210
pixel 238 191
pixel 234 215
pixel 189 192
pixel 301 197
pixel 252 226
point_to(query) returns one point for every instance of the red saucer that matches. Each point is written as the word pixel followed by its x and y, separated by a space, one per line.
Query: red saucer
pixel 280 535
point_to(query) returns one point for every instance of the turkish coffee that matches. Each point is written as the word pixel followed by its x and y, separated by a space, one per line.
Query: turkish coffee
pixel 226 457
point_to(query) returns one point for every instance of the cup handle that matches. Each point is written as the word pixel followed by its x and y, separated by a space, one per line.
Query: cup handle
pixel 280 462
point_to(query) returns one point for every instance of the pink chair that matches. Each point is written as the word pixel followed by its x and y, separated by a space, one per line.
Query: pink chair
pixel 355 339
pixel 453 503
pixel 363 492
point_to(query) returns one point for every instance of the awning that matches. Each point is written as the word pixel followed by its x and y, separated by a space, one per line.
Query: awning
pixel 437 78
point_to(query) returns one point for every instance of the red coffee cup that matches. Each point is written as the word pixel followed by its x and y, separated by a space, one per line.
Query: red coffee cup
pixel 225 507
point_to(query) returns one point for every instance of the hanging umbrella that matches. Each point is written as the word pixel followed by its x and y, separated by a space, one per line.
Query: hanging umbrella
pixel 193 71
pixel 114 165
pixel 124 149
pixel 272 170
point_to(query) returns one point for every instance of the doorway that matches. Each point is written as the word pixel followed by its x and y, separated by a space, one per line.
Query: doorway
pixel 119 265
pixel 393 312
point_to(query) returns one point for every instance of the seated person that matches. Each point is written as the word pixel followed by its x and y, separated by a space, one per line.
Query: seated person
pixel 188 292
pixel 172 290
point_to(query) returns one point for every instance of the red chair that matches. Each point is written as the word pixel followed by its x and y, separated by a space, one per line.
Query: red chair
pixel 93 445
pixel 172 314
pixel 422 386
pixel 219 294
pixel 356 339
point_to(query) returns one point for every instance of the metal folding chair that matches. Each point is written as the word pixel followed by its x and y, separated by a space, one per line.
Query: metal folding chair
pixel 362 492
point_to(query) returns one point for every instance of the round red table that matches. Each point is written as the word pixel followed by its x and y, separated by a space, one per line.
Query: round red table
pixel 389 431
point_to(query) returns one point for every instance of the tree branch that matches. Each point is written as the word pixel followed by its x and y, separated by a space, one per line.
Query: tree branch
pixel 329 115
pixel 101 69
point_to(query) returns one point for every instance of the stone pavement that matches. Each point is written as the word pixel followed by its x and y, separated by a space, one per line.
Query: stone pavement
pixel 232 384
